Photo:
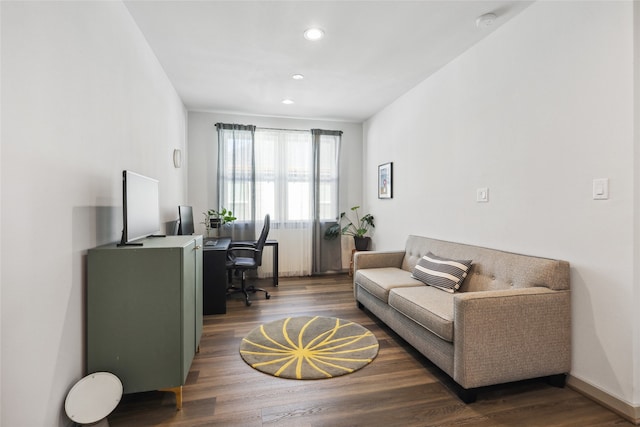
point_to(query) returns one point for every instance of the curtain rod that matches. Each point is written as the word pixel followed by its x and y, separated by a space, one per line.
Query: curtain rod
pixel 281 129
pixel 324 131
pixel 295 130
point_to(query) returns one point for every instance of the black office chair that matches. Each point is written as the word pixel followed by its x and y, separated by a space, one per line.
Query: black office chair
pixel 247 262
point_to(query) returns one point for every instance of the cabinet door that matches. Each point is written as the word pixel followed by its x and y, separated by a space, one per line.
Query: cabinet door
pixel 189 299
pixel 134 316
pixel 199 289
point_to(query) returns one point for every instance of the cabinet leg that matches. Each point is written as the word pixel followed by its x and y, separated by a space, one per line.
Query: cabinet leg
pixel 178 392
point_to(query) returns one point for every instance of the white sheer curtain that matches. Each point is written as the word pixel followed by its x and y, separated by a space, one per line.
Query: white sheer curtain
pixel 284 189
pixel 291 175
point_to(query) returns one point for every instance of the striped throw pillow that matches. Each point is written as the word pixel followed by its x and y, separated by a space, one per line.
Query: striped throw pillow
pixel 446 274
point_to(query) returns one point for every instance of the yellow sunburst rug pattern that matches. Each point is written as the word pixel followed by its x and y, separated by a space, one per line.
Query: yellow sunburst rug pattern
pixel 306 347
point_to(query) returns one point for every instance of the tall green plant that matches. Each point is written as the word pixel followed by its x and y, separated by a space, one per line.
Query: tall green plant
pixel 357 228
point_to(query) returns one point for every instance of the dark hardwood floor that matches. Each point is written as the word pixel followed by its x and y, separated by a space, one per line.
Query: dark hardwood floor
pixel 399 388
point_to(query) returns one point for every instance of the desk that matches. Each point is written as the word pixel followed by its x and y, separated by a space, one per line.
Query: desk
pixel 214 272
pixel 272 243
pixel 214 275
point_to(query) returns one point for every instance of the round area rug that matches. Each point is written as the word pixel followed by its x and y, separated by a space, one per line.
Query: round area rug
pixel 307 348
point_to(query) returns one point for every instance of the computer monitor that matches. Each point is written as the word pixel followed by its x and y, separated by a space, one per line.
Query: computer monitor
pixel 186 220
pixel 140 207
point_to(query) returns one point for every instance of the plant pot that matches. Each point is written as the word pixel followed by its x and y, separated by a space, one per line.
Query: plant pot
pixel 362 243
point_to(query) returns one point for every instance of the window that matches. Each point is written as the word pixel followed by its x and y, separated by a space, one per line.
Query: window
pixel 290 174
pixel 327 177
pixel 284 175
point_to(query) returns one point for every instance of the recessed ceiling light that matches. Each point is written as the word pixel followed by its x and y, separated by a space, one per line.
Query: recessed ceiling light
pixel 313 34
pixel 297 77
pixel 287 101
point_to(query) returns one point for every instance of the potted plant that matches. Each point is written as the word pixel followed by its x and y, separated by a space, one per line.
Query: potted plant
pixel 217 219
pixel 358 228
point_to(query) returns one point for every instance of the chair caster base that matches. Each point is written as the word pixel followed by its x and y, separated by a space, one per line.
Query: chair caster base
pixel 246 290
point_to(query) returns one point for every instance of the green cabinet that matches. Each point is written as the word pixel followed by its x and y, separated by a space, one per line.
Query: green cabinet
pixel 144 311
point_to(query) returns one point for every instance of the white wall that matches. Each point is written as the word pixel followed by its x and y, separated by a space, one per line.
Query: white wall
pixel 636 281
pixel 535 112
pixel 203 156
pixel 83 97
pixel 636 253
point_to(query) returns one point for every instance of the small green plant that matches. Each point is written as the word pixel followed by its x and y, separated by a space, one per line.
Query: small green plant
pixel 225 216
pixel 357 228
pixel 216 219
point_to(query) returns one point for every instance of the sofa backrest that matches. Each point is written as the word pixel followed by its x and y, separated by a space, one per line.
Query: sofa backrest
pixel 492 269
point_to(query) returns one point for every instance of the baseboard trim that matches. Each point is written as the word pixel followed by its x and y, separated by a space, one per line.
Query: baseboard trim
pixel 622 408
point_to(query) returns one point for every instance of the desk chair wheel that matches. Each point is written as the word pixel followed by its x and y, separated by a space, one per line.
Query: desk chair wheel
pixel 267 295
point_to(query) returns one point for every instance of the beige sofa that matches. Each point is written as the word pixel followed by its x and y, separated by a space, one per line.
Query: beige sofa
pixel 509 321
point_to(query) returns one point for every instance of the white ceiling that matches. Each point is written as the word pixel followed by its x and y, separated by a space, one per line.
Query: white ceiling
pixel 239 56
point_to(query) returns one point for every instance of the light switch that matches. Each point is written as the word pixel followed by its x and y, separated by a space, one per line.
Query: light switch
pixel 601 189
pixel 482 195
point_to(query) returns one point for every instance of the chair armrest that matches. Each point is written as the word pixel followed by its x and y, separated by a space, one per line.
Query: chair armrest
pixel 242 245
pixel 377 259
pixel 243 249
pixel 508 335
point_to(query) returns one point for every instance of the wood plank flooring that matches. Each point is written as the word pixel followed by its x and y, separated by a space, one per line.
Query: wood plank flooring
pixel 399 388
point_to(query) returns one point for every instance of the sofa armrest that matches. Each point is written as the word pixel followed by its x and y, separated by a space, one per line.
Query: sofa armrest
pixel 509 335
pixel 377 259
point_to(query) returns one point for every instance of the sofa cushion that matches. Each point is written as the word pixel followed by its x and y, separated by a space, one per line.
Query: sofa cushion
pixel 427 306
pixel 443 273
pixel 379 281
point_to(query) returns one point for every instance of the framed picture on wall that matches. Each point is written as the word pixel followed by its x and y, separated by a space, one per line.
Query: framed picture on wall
pixel 385 181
